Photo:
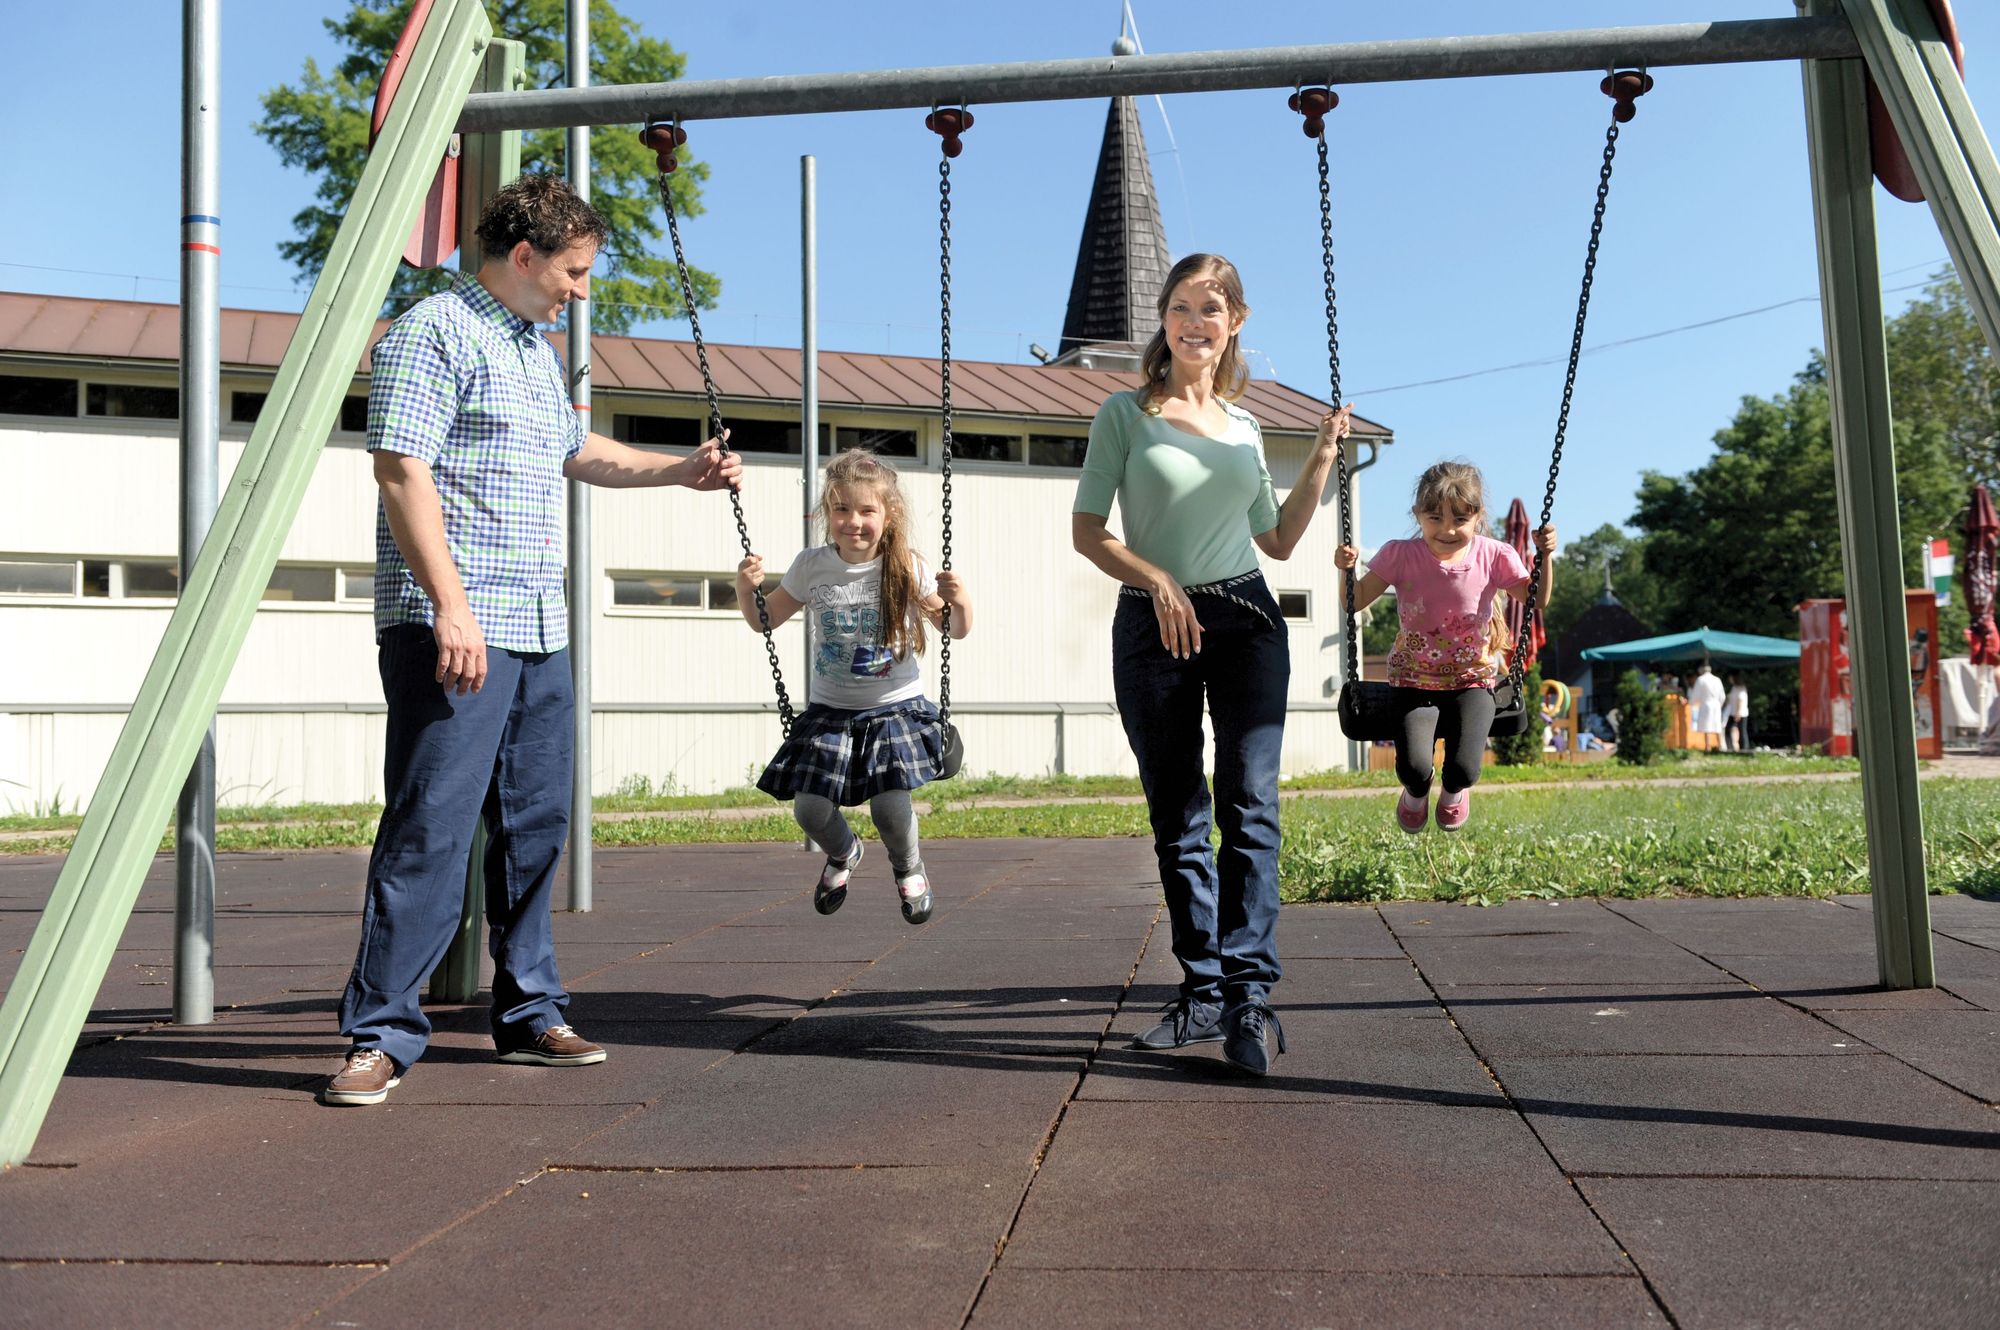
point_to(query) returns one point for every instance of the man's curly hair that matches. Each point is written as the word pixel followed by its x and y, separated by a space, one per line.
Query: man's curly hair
pixel 542 210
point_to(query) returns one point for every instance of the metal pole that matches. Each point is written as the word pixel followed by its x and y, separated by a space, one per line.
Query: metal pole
pixel 808 374
pixel 1593 49
pixel 201 393
pixel 1864 459
pixel 582 578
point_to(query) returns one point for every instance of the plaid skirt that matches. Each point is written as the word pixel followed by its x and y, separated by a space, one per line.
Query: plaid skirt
pixel 851 756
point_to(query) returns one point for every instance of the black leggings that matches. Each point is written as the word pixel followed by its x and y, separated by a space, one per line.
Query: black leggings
pixel 1461 717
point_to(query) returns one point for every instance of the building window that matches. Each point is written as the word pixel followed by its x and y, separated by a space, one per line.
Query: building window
pixel 299 584
pixel 674 591
pixel 245 407
pixel 130 401
pixel 357 584
pixel 887 442
pixel 1295 604
pixel 763 436
pixel 1064 450
pixel 986 447
pixel 658 431
pixel 151 581
pixel 30 395
pixel 37 577
pixel 96 579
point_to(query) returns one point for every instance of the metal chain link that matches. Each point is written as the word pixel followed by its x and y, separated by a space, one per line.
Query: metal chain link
pixel 785 713
pixel 1342 482
pixel 944 400
pixel 1530 608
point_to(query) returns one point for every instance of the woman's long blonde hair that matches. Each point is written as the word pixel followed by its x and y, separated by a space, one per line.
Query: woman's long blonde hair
pixel 1232 375
pixel 859 469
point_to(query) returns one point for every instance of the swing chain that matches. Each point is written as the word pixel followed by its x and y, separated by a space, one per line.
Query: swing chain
pixel 1622 89
pixel 673 137
pixel 1313 104
pixel 949 123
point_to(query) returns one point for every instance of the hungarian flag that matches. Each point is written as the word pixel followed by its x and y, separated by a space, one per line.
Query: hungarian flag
pixel 1939 566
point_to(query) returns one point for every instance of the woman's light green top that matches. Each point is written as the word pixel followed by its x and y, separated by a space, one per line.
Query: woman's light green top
pixel 1188 503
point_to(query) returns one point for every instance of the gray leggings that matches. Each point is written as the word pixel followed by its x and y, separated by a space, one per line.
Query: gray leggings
pixel 895 821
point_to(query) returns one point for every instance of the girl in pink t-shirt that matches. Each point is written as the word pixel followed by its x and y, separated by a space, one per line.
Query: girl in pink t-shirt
pixel 1447 657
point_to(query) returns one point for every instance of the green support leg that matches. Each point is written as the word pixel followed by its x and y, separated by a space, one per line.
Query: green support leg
pixel 72 946
pixel 486 162
pixel 1870 531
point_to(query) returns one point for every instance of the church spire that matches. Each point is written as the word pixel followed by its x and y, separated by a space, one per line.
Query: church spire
pixel 1122 259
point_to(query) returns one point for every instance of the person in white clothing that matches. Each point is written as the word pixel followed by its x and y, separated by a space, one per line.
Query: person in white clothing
pixel 1736 716
pixel 1705 703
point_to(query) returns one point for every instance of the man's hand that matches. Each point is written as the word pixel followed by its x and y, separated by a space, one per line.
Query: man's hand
pixel 461 648
pixel 710 468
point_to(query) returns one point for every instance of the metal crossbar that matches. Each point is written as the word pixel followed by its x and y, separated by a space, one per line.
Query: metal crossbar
pixel 1597 49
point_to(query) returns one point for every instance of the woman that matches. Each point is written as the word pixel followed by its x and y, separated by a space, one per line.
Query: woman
pixel 1186 465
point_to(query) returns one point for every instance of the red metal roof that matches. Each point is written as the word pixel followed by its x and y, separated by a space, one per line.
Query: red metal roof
pixel 254 339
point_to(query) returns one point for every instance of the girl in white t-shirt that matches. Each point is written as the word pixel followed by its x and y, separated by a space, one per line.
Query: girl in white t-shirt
pixel 869 734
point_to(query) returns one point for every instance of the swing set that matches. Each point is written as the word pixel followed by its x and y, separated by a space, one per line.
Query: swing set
pixel 1922 131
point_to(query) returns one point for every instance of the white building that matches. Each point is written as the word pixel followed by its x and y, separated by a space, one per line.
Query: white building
pixel 89 465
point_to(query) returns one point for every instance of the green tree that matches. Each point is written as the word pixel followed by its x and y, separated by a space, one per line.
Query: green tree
pixel 1642 721
pixel 1740 541
pixel 1942 371
pixel 1580 578
pixel 320 125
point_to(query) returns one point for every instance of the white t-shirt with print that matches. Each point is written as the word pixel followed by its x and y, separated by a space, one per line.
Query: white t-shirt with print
pixel 851 668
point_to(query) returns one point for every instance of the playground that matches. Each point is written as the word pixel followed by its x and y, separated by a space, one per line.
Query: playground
pixel 1667 1075
pixel 1672 1112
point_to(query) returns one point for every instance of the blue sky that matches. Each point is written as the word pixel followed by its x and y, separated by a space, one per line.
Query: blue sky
pixel 1461 207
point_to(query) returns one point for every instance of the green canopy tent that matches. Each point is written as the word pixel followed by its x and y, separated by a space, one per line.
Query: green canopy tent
pixel 1742 650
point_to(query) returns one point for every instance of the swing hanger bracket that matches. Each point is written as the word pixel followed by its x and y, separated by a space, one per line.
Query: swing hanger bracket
pixel 1625 87
pixel 1313 103
pixel 664 137
pixel 948 123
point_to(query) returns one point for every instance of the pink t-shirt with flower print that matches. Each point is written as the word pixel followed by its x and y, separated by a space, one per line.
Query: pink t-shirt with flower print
pixel 1443 608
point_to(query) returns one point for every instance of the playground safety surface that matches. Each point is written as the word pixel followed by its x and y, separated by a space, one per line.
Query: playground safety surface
pixel 1583 1113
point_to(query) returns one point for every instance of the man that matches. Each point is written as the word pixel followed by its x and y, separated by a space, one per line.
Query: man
pixel 472 432
pixel 1705 708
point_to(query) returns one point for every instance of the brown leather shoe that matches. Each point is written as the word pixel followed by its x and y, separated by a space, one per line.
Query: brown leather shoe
pixel 557 1046
pixel 366 1079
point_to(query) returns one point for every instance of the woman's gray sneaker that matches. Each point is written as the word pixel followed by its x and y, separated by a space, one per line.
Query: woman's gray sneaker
pixel 1183 1021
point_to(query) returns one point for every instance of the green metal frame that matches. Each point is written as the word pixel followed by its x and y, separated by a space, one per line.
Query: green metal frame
pixel 1864 457
pixel 486 162
pixel 1913 70
pixel 72 947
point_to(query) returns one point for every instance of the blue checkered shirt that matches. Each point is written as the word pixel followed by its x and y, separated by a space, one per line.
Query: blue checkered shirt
pixel 477 393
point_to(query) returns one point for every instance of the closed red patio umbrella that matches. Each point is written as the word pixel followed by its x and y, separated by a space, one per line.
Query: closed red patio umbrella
pixel 1518 533
pixel 1976 575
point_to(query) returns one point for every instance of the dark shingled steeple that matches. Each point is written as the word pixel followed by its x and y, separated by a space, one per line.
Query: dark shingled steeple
pixel 1123 258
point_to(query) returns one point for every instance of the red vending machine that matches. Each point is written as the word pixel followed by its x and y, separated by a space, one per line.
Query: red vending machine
pixel 1826 683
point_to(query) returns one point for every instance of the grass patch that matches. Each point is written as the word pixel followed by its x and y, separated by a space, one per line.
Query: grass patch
pixel 1571 840
pixel 1790 840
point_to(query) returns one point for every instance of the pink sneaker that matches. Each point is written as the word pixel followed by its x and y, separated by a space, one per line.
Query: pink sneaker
pixel 1412 811
pixel 1453 809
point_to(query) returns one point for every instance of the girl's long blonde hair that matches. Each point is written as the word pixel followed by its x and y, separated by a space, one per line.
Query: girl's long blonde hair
pixel 1232 375
pixel 859 469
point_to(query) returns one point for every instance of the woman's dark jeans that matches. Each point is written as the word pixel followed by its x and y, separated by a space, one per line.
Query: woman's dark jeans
pixel 1223 905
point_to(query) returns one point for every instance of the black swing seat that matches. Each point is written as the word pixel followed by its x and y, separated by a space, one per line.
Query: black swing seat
pixel 1368 712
